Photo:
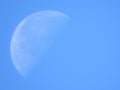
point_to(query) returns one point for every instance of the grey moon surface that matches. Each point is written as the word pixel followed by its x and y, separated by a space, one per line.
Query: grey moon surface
pixel 32 36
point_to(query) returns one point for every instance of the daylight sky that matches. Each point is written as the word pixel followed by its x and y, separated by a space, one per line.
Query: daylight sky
pixel 85 56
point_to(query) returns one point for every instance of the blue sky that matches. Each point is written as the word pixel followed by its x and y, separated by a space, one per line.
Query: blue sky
pixel 85 56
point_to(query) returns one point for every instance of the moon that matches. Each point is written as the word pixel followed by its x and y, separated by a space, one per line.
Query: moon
pixel 33 36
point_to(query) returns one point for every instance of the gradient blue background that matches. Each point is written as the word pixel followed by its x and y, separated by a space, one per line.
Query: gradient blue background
pixel 85 57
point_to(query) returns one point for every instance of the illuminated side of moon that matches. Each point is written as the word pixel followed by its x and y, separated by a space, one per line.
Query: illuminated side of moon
pixel 32 36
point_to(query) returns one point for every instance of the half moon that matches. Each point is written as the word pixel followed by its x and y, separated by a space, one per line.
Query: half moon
pixel 32 36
